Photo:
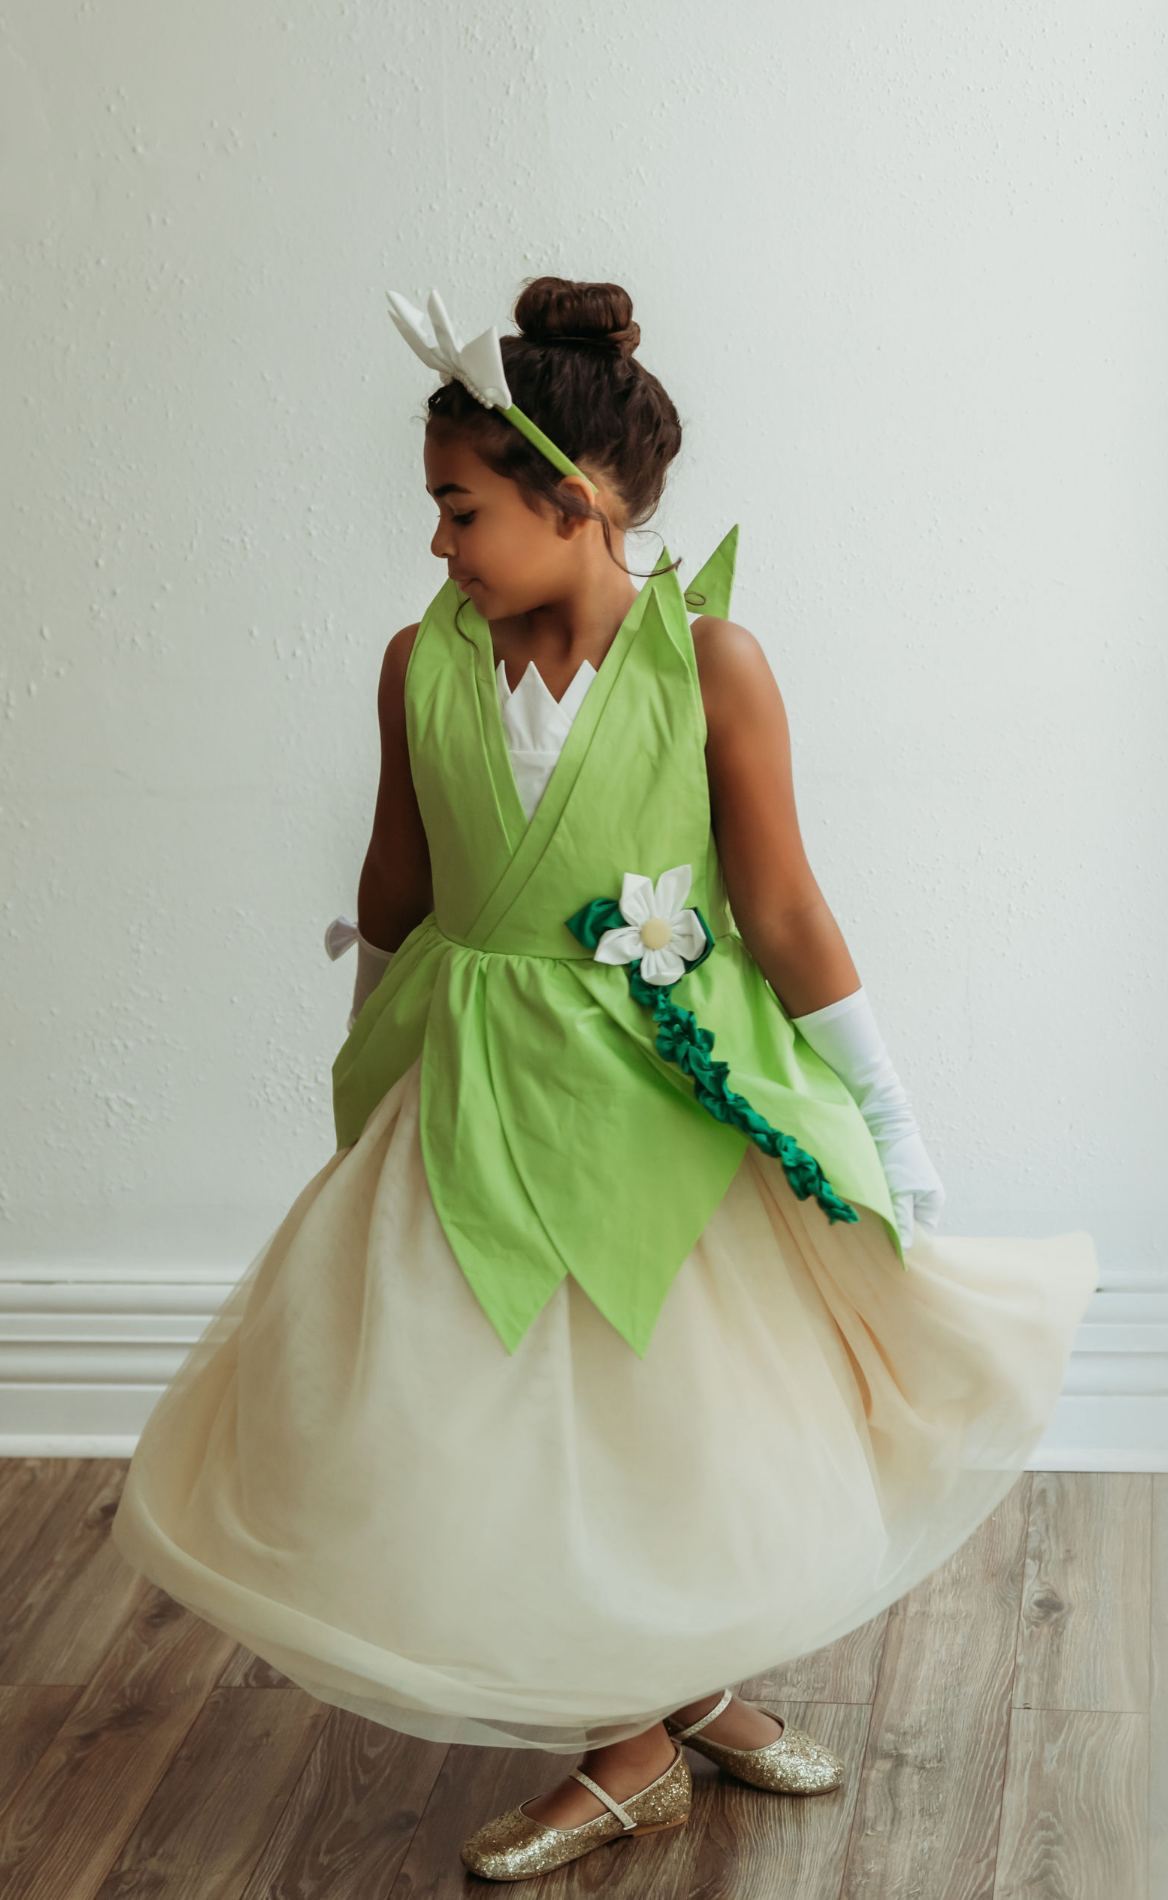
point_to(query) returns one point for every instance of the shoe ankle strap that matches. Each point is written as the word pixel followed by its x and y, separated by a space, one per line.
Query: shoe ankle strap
pixel 626 1819
pixel 724 1700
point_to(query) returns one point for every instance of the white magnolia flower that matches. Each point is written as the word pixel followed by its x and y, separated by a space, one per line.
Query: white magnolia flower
pixel 656 928
pixel 478 365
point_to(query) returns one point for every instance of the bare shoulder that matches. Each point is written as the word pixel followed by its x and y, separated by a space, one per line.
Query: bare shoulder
pixel 733 669
pixel 392 684
pixel 724 644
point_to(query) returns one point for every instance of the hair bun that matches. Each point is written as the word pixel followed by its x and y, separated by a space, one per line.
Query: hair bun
pixel 554 309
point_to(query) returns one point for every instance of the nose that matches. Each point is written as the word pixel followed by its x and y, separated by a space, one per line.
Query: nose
pixel 443 543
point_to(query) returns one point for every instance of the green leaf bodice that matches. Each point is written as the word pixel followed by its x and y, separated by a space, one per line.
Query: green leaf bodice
pixel 557 1137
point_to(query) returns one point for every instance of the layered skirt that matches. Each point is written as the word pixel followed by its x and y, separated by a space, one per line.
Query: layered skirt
pixel 554 1547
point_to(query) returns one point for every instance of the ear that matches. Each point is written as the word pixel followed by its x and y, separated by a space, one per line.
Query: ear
pixel 588 491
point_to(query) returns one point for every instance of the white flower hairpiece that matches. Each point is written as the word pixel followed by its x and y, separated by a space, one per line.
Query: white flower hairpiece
pixel 477 365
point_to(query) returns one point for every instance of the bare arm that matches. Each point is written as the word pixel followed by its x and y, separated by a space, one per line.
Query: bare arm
pixel 395 890
pixel 778 907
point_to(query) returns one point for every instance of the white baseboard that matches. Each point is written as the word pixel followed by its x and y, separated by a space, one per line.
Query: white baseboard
pixel 1112 1413
pixel 85 1356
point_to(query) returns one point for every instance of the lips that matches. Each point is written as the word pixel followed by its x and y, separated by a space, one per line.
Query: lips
pixel 463 580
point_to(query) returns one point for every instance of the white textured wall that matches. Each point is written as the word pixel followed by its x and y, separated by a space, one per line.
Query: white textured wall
pixel 902 269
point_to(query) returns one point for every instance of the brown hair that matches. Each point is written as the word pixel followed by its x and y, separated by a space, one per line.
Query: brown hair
pixel 571 369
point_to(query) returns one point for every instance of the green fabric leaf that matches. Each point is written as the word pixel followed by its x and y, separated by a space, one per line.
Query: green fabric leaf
pixel 589 924
pixel 711 587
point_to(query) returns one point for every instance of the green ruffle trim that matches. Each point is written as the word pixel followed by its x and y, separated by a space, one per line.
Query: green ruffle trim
pixel 680 1040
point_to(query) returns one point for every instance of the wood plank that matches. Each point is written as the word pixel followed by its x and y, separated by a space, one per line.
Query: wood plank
pixel 1083 1635
pixel 1074 1809
pixel 244 1670
pixel 31 1489
pixel 73 1813
pixel 1158 1714
pixel 131 1784
pixel 843 1671
pixel 930 1793
pixel 196 1838
pixel 72 1592
pixel 20 1475
pixel 350 1820
pixel 29 1719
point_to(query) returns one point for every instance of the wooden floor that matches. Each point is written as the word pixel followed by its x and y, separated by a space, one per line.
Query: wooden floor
pixel 1005 1728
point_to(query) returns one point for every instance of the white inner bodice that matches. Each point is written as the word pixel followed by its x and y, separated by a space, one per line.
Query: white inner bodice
pixel 536 725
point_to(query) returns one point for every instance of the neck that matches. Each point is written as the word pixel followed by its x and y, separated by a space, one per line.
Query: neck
pixel 579 624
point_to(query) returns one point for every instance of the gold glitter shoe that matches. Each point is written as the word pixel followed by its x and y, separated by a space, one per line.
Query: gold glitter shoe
pixel 514 1846
pixel 794 1763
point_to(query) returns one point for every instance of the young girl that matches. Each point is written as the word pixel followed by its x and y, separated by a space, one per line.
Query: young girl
pixel 613 1357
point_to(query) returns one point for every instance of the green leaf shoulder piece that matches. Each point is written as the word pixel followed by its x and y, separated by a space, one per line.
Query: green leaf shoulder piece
pixel 711 587
pixel 648 930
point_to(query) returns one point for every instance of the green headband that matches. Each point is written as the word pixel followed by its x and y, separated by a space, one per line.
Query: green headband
pixel 478 366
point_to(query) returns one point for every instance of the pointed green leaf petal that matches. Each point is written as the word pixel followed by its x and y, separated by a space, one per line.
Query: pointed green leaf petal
pixel 711 587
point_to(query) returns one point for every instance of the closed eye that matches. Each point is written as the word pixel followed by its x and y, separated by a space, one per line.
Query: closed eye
pixel 463 521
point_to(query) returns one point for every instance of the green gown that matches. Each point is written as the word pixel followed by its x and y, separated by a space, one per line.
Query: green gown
pixel 412 1463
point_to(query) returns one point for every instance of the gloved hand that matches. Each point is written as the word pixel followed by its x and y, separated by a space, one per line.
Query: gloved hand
pixel 844 1033
pixel 372 963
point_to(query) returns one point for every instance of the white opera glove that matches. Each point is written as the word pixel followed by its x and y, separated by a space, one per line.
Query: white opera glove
pixel 372 962
pixel 845 1035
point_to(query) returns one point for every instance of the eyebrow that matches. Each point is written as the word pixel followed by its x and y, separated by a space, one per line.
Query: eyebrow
pixel 449 488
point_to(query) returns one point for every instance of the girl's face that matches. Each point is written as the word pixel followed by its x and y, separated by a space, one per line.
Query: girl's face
pixel 506 556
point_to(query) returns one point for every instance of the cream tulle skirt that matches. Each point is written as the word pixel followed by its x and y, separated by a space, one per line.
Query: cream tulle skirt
pixel 352 1476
